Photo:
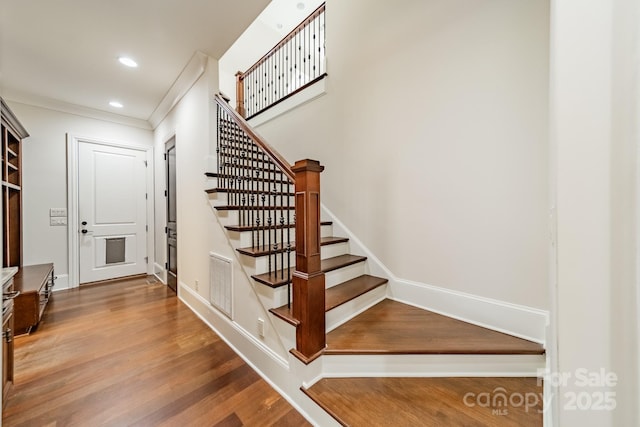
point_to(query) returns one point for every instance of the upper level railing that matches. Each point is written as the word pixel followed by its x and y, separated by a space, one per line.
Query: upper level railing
pixel 293 64
pixel 258 182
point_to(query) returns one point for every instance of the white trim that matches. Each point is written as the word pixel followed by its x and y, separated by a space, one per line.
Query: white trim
pixel 517 320
pixel 221 316
pixel 308 94
pixel 285 377
pixel 73 142
pixel 187 78
pixel 636 202
pixel 61 282
pixel 432 365
pixel 160 273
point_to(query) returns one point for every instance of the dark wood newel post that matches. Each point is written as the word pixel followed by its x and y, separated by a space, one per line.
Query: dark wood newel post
pixel 308 278
pixel 240 94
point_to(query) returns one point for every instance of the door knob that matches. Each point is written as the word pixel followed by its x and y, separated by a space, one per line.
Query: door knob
pixel 84 231
pixel 84 222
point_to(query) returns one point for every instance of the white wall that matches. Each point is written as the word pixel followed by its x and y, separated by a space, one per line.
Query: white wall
pixel 44 176
pixel 595 73
pixel 192 121
pixel 434 137
pixel 277 20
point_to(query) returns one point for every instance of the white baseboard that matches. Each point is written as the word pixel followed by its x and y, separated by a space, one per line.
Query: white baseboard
pixel 160 273
pixel 61 282
pixel 284 376
pixel 517 320
pixel 214 315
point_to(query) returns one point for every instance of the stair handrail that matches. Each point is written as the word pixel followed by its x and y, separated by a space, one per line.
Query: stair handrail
pixel 268 149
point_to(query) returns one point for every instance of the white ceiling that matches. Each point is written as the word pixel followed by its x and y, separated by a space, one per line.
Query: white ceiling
pixel 67 50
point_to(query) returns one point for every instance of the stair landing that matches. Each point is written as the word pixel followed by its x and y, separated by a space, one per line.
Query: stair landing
pixel 447 402
pixel 391 327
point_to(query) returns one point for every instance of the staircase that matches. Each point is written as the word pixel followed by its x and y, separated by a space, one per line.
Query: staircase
pixel 255 199
pixel 254 196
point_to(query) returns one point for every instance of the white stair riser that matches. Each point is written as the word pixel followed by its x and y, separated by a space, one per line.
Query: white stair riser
pixel 271 297
pixel 337 249
pixel 285 330
pixel 261 264
pixel 232 217
pixel 432 365
pixel 222 199
pixel 350 309
pixel 343 274
pixel 243 239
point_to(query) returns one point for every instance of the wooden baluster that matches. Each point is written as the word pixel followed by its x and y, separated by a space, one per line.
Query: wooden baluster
pixel 308 278
pixel 240 94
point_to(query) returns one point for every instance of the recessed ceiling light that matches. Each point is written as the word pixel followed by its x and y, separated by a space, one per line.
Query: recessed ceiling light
pixel 128 62
pixel 300 5
pixel 116 104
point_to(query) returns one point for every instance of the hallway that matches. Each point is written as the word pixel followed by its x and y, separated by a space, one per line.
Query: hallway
pixel 129 353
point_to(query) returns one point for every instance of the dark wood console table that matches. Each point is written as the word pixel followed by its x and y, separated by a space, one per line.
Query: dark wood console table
pixel 35 283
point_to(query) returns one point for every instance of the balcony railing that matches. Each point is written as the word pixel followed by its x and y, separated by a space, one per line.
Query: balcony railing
pixel 296 62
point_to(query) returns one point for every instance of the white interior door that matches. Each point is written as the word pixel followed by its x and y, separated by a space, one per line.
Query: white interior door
pixel 112 212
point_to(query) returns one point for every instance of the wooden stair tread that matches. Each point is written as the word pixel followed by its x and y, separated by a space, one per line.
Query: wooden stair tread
pixel 331 264
pixel 242 228
pixel 391 327
pixel 276 279
pixel 336 295
pixel 265 250
pixel 351 289
pixel 425 401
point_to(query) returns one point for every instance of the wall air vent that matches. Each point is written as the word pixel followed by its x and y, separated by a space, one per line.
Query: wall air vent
pixel 221 283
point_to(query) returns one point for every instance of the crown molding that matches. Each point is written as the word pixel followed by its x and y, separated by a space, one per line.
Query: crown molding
pixel 66 107
pixel 187 78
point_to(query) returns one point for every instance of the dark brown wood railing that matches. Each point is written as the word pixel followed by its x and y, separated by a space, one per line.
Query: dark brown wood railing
pixel 258 182
pixel 295 63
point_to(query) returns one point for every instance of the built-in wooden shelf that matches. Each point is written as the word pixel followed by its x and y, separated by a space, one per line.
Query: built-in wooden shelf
pixel 12 133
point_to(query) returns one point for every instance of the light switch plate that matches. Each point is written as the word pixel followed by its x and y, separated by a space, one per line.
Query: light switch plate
pixel 54 221
pixel 57 212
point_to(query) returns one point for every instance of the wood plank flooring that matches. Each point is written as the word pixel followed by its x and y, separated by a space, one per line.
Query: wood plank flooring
pixel 130 353
pixel 391 327
pixel 437 402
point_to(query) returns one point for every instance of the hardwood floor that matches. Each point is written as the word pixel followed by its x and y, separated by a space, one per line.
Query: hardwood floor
pixel 437 402
pixel 129 353
pixel 391 327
